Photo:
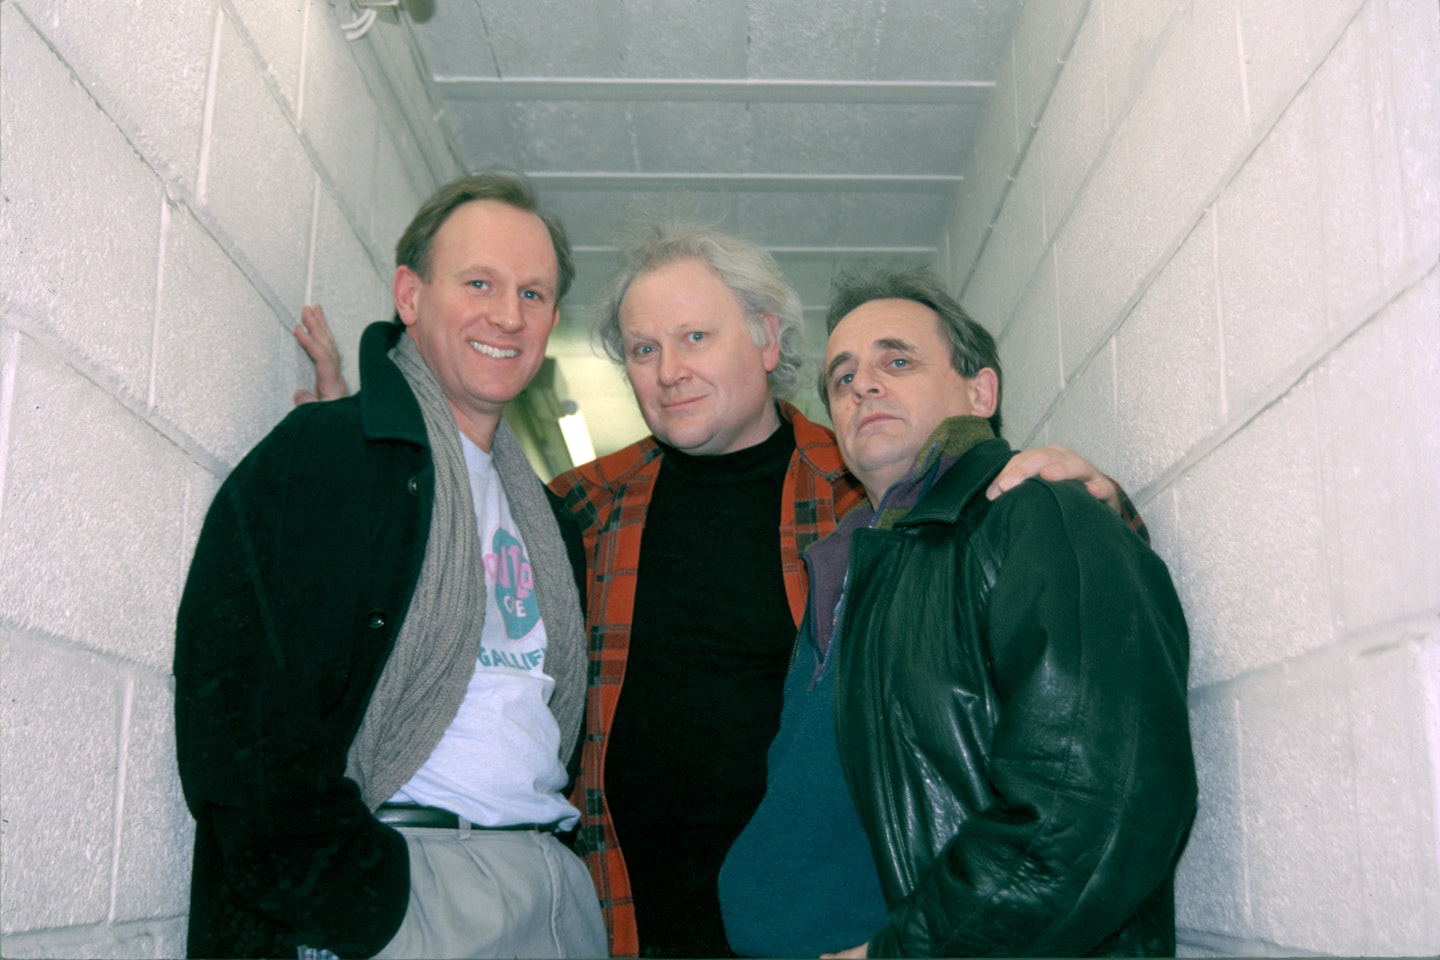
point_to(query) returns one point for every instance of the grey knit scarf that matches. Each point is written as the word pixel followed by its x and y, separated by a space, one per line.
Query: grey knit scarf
pixel 426 675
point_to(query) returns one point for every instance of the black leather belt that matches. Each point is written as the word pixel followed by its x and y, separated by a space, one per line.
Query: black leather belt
pixel 415 815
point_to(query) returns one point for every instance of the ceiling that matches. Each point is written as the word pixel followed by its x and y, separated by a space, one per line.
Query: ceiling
pixel 830 131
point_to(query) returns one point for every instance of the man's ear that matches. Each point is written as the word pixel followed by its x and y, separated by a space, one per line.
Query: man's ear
pixel 984 389
pixel 405 287
pixel 771 351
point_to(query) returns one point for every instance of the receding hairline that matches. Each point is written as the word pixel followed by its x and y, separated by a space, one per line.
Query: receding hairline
pixel 552 281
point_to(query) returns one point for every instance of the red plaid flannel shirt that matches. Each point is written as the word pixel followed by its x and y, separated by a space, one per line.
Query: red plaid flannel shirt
pixel 609 498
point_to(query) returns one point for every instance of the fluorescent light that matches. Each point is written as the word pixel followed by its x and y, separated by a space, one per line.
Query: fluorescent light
pixel 577 438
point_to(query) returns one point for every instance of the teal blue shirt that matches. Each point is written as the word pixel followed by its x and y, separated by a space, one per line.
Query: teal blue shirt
pixel 800 880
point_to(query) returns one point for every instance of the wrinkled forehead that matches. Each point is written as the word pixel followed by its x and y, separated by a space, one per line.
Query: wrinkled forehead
pixel 879 326
pixel 678 295
pixel 496 234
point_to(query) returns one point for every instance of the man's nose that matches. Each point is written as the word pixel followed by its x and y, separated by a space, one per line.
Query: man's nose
pixel 865 384
pixel 672 367
pixel 506 313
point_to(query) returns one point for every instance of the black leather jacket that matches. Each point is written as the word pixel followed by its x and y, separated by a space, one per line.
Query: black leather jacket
pixel 1011 714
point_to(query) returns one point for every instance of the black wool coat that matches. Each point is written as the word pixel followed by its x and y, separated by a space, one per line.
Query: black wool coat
pixel 301 578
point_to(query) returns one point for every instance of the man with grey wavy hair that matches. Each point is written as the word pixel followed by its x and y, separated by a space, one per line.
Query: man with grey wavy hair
pixel 751 273
pixel 699 623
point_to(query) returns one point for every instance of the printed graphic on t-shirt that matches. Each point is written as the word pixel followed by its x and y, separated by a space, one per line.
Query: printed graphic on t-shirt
pixel 508 569
pixel 510 584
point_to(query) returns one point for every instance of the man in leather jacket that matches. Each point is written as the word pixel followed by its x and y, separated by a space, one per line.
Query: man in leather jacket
pixel 984 748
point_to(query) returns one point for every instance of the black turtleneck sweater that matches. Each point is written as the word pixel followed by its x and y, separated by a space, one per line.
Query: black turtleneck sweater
pixel 709 646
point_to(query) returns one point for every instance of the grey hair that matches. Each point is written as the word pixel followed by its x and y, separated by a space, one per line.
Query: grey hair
pixel 748 271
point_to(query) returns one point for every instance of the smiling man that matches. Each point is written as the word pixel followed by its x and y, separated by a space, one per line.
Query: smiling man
pixel 984 748
pixel 379 663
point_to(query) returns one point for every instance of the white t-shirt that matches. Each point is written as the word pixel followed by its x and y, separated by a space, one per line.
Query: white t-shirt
pixel 498 761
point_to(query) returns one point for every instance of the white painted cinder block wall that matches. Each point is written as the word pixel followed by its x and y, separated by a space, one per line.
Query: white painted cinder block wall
pixel 1206 233
pixel 176 180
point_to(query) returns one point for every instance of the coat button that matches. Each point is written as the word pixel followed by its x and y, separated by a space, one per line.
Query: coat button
pixel 376 620
pixel 412 486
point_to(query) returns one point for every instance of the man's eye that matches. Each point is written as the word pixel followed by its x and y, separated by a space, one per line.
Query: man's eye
pixel 642 350
pixel 844 379
pixel 532 295
pixel 480 284
pixel 899 362
pixel 695 336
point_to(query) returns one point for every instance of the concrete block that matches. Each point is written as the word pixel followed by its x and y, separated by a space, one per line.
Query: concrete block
pixel 587 46
pixel 1298 780
pixel 1041 45
pixel 200 490
pixel 157 938
pixel 1251 545
pixel 1168 363
pixel 81 232
pixel 778 129
pixel 1357 193
pixel 548 133
pixel 1379 442
pixel 347 284
pixel 459 58
pixel 42 13
pixel 798 219
pixel 1015 248
pixel 259 183
pixel 1272 264
pixel 1210 884
pixel 791 40
pixel 951 40
pixel 662 135
pixel 876 218
pixel 959 243
pixel 400 188
pixel 146 63
pixel 987 171
pixel 1187 121
pixel 1030 358
pixel 90 524
pixel 156 832
pixel 489 130
pixel 1181 136
pixel 1085 420
pixel 1134 35
pixel 59 816
pixel 1075 124
pixel 1100 258
pixel 1395 799
pixel 1158 512
pixel 1408 36
pixel 340 117
pixel 276 31
pixel 406 97
pixel 215 372
pixel 720 43
pixel 1284 42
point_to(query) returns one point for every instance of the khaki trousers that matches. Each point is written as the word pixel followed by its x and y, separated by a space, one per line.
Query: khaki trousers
pixel 496 893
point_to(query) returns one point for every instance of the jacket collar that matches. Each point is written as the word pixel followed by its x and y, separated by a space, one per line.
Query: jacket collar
pixel 388 408
pixel 964 480
pixel 815 443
